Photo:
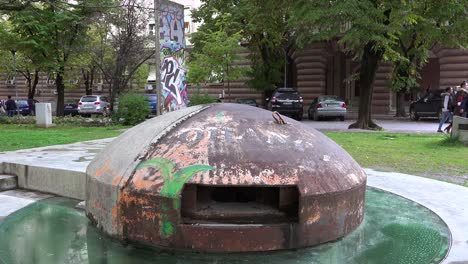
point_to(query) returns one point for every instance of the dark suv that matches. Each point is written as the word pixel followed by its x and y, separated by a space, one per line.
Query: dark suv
pixel 287 101
pixel 430 105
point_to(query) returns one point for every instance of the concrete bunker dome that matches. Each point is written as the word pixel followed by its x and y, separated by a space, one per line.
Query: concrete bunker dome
pixel 225 178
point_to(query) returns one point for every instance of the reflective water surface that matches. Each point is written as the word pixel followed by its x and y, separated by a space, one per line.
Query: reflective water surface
pixel 395 230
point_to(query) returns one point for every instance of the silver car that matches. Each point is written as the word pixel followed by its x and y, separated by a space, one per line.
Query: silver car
pixel 327 106
pixel 93 104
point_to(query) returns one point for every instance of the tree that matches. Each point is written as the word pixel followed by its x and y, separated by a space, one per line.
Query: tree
pixel 262 25
pixel 52 32
pixel 15 5
pixel 365 29
pixel 406 70
pixel 123 48
pixel 26 65
pixel 216 59
pixel 374 30
pixel 433 22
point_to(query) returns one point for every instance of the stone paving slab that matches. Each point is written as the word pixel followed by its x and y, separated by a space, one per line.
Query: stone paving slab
pixel 74 157
pixel 8 182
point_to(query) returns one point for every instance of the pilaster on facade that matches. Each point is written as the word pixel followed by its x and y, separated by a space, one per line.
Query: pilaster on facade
pixel 311 64
pixel 381 97
pixel 453 66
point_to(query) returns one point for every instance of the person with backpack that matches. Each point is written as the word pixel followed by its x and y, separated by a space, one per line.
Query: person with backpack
pixel 10 106
pixel 447 107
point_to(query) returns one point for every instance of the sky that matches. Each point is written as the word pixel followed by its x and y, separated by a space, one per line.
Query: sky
pixel 188 3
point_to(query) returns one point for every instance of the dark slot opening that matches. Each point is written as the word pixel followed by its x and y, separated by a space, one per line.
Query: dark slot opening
pixel 239 205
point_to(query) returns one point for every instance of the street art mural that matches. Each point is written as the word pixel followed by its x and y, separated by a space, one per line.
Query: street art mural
pixel 172 46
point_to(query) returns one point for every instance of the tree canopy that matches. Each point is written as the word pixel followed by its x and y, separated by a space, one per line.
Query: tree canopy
pixel 262 27
pixel 374 31
pixel 70 38
pixel 216 59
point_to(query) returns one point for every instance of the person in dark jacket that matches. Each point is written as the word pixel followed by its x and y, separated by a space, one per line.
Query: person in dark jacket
pixel 10 106
pixel 464 104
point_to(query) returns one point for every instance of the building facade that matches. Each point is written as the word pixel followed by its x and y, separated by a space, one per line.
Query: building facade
pixel 315 70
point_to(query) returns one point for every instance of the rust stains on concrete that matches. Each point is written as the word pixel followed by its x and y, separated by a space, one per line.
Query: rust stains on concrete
pixel 187 193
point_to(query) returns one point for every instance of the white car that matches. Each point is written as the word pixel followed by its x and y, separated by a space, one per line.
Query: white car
pixel 327 106
pixel 93 104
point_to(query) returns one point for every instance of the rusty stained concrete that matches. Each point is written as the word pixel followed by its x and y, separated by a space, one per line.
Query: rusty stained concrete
pixel 246 147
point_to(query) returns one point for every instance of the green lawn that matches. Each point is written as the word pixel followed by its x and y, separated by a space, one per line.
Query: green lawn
pixel 420 154
pixel 14 137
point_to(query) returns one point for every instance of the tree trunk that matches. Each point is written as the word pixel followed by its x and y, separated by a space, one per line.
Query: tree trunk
pixel 400 104
pixel 88 76
pixel 32 85
pixel 369 63
pixel 114 89
pixel 60 91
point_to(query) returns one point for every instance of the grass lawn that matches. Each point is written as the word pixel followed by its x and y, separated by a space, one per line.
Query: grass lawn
pixel 14 137
pixel 419 154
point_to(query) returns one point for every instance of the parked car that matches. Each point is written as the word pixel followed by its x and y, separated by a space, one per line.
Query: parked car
pixel 152 102
pixel 246 101
pixel 287 101
pixel 70 108
pixel 430 105
pixel 327 106
pixel 93 104
pixel 25 108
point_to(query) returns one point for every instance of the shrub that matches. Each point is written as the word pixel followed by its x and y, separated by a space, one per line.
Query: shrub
pixel 95 121
pixel 133 109
pixel 198 99
pixel 18 119
pixel 98 121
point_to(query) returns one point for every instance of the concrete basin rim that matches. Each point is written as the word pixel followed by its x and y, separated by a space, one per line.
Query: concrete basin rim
pixel 430 210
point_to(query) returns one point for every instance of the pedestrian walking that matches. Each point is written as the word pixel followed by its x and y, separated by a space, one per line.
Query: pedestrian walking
pixel 459 98
pixel 2 107
pixel 447 107
pixel 464 105
pixel 10 106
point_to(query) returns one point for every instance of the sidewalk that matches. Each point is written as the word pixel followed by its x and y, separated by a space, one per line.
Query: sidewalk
pixel 42 169
pixel 394 126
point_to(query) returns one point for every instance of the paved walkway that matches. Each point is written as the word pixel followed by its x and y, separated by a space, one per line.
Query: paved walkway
pixel 397 126
pixel 449 201
pixel 74 157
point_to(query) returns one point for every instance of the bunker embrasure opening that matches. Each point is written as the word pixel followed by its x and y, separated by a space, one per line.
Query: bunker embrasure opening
pixel 239 204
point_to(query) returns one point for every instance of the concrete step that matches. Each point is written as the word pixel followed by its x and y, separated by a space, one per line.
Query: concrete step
pixel 8 182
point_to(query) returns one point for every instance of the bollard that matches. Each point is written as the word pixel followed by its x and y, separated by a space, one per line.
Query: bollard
pixel 43 115
pixel 460 128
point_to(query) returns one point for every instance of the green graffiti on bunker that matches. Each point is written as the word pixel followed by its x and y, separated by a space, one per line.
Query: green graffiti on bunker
pixel 220 116
pixel 173 181
pixel 167 229
pixel 173 184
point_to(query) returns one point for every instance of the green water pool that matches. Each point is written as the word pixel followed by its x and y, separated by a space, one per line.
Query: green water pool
pixel 395 230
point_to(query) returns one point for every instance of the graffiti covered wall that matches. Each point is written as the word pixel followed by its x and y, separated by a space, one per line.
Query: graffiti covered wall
pixel 172 46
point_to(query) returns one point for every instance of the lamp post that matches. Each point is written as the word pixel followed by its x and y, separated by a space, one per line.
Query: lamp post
pixel 285 66
pixel 13 51
pixel 157 57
